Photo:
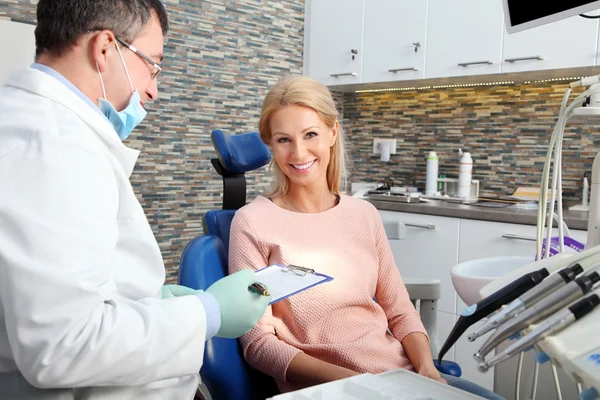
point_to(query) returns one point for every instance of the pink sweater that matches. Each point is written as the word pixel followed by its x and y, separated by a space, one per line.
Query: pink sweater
pixel 337 321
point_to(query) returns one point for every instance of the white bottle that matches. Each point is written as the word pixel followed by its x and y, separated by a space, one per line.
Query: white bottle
pixel 465 173
pixel 431 183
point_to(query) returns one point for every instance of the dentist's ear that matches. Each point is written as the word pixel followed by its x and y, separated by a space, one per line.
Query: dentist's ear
pixel 102 44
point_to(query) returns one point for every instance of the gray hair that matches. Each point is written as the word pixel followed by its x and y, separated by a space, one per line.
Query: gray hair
pixel 62 22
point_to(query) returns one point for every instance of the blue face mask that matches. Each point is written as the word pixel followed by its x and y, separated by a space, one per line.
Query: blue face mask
pixel 125 121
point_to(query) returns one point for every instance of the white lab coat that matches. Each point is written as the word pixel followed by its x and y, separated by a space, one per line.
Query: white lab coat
pixel 80 270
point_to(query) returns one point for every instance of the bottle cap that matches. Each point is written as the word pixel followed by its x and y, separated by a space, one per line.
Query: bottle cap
pixel 432 155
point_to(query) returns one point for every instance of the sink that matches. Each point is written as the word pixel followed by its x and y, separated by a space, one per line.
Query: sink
pixel 469 277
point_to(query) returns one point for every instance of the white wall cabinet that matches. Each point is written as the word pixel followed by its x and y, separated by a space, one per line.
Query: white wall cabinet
pixel 333 40
pixel 567 43
pixel 464 37
pixel 394 40
pixel 455 38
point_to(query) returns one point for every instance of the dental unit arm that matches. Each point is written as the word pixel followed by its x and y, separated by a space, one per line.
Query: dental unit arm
pixel 554 324
pixel 540 310
pixel 577 350
pixel 517 287
pixel 562 277
pixel 569 338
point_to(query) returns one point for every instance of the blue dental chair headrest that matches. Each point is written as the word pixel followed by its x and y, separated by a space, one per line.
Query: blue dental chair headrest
pixel 240 153
pixel 237 154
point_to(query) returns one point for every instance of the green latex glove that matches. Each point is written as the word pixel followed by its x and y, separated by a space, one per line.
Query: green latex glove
pixel 240 308
pixel 170 291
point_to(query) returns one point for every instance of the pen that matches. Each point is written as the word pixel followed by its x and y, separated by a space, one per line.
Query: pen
pixel 259 288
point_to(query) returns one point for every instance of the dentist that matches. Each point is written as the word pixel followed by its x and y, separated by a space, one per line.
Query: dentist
pixel 83 310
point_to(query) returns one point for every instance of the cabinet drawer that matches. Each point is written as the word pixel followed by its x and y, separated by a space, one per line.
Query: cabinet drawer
pixel 429 250
pixel 481 239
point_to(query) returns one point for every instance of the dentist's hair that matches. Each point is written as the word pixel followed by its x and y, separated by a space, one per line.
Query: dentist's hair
pixel 60 23
pixel 306 92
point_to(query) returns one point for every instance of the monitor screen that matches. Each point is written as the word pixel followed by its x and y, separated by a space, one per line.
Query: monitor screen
pixel 520 14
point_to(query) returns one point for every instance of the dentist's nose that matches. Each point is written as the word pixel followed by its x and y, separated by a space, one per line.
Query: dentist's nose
pixel 152 91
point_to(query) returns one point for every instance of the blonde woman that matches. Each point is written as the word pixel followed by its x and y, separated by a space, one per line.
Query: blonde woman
pixel 335 330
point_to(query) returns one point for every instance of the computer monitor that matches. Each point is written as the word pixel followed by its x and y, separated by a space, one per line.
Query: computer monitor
pixel 523 14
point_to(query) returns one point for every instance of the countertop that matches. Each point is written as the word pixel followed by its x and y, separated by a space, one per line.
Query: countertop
pixel 511 215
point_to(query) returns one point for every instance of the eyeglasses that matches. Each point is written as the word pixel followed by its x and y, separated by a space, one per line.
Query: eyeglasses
pixel 157 67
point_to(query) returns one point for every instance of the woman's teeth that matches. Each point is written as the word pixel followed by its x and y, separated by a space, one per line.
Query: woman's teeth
pixel 303 166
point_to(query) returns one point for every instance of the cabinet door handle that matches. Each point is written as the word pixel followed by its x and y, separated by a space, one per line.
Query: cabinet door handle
pixel 466 64
pixel 423 226
pixel 394 70
pixel 518 237
pixel 512 60
pixel 344 74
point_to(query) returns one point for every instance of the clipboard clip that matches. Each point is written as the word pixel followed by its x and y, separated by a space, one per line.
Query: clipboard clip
pixel 297 270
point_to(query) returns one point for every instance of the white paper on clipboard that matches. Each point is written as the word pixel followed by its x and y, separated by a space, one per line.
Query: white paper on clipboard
pixel 285 281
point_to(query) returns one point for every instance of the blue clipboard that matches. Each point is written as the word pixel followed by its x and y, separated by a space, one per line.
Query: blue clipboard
pixel 284 281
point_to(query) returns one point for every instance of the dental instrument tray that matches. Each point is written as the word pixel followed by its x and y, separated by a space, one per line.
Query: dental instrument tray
pixel 395 197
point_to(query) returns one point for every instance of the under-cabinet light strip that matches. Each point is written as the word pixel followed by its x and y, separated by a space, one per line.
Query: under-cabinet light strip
pixel 402 89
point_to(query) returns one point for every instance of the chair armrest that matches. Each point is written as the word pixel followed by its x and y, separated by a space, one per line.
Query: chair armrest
pixel 448 367
pixel 423 289
pixel 427 291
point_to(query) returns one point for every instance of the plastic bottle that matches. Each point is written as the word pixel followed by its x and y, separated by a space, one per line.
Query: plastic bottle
pixel 432 173
pixel 465 173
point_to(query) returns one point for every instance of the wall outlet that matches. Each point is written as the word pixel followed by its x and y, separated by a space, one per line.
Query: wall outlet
pixel 377 145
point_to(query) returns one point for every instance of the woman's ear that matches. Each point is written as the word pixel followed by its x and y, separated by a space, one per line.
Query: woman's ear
pixel 334 131
pixel 102 44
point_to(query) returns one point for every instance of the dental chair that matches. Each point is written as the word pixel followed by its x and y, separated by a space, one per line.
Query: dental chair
pixel 225 373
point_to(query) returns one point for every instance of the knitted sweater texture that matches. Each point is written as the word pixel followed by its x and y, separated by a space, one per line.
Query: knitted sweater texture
pixel 338 321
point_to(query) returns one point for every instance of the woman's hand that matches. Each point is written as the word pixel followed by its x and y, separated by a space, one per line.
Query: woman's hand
pixel 416 346
pixel 432 373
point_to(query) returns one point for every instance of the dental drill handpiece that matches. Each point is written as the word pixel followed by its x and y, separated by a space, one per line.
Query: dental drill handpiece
pixel 491 303
pixel 552 325
pixel 528 298
pixel 543 308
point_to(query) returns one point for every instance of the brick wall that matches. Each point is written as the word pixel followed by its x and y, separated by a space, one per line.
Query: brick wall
pixel 506 128
pixel 220 59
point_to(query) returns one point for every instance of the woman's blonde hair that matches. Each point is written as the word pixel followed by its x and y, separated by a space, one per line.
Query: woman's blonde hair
pixel 306 92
